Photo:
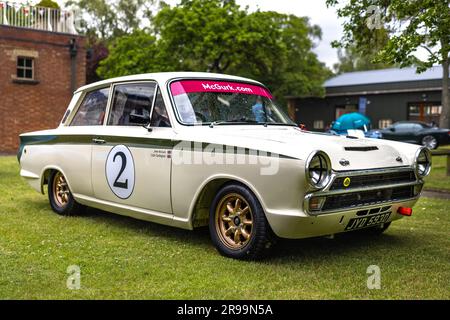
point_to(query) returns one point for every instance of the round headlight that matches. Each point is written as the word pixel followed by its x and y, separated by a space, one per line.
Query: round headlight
pixel 423 162
pixel 318 169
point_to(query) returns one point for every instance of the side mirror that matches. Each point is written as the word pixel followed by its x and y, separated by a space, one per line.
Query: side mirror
pixel 392 129
pixel 147 126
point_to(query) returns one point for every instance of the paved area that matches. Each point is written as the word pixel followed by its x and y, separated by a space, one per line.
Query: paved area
pixel 436 194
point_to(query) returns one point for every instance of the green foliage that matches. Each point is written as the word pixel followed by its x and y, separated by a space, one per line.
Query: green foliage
pixel 123 258
pixel 438 179
pixel 48 4
pixel 133 54
pixel 352 58
pixel 220 36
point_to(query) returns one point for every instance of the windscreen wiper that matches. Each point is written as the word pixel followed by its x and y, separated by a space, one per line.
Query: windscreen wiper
pixel 277 124
pixel 220 122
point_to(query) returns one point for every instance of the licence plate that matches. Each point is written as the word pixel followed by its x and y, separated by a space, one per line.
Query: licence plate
pixel 364 222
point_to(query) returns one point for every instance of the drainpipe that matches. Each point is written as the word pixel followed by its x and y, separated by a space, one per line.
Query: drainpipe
pixel 73 64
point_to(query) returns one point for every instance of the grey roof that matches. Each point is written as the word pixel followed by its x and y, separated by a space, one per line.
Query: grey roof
pixel 383 76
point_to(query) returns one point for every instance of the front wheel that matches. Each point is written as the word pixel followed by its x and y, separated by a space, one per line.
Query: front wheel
pixel 238 225
pixel 59 195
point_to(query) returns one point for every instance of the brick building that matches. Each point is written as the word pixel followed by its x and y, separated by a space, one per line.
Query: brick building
pixel 40 67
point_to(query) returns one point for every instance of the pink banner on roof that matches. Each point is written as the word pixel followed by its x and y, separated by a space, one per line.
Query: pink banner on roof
pixel 189 86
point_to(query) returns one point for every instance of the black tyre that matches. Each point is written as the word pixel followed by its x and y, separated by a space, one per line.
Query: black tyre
pixel 376 230
pixel 60 197
pixel 430 142
pixel 238 225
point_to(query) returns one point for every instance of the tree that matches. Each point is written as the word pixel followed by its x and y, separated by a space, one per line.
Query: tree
pixel 220 36
pixel 109 19
pixel 104 21
pixel 200 35
pixel 96 52
pixel 48 4
pixel 412 25
pixel 133 54
pixel 277 50
pixel 351 59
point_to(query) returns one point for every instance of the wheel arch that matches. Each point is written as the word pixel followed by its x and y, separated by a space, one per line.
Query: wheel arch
pixel 199 212
pixel 45 175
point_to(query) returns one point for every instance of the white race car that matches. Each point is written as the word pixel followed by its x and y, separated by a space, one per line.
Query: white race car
pixel 193 149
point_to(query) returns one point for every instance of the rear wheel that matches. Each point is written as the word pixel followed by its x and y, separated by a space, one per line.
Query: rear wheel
pixel 59 195
pixel 238 225
pixel 430 142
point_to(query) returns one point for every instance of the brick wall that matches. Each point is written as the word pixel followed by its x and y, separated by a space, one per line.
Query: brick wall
pixel 39 104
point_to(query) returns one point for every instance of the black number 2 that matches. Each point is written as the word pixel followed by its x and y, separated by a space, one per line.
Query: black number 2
pixel 122 185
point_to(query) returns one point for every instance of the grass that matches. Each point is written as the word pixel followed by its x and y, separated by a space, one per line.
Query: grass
pixel 438 179
pixel 124 258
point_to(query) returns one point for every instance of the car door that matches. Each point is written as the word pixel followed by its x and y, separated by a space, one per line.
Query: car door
pixel 399 132
pixel 131 164
pixel 75 154
pixel 417 133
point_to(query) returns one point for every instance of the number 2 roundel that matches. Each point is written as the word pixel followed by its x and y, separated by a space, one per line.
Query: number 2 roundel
pixel 120 171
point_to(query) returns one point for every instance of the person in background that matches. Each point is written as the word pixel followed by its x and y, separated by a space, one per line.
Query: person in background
pixel 258 110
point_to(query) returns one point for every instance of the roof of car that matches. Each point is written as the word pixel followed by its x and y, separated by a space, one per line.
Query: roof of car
pixel 383 76
pixel 163 77
pixel 412 122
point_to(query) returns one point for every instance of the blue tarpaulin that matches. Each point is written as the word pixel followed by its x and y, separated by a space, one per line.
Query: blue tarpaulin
pixel 350 121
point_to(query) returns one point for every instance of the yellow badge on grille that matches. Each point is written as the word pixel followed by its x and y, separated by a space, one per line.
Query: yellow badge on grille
pixel 347 182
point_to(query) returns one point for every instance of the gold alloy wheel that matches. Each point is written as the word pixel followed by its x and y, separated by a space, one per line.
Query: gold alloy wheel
pixel 234 221
pixel 60 190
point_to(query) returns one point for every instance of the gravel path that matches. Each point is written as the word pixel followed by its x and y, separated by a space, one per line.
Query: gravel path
pixel 436 194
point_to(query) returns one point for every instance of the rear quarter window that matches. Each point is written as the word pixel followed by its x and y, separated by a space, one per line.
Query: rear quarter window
pixel 92 110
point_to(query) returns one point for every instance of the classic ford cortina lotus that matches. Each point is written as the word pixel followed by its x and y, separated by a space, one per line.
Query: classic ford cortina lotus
pixel 192 149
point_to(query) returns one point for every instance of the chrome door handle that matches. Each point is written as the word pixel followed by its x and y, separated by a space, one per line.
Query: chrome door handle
pixel 98 141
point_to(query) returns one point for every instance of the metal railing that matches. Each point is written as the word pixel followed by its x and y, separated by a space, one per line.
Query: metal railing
pixel 37 18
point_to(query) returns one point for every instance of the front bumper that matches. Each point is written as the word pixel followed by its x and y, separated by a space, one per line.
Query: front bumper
pixel 292 226
pixel 367 193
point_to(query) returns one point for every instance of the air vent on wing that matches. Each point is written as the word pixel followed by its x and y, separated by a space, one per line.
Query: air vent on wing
pixel 360 148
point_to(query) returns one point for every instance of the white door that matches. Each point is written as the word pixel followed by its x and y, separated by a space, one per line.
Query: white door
pixel 131 165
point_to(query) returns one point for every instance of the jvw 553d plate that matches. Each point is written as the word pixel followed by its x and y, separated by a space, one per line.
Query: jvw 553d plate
pixel 364 222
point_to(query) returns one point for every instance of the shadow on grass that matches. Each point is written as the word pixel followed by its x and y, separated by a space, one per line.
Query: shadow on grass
pixel 344 244
pixel 285 251
pixel 199 236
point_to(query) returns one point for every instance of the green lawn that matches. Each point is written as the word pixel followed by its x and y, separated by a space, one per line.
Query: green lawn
pixel 438 180
pixel 124 258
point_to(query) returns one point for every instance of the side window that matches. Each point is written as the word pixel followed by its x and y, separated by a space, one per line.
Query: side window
pixel 92 110
pixel 403 127
pixel 132 104
pixel 160 117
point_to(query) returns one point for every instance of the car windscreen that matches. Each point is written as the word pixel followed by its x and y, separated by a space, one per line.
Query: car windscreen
pixel 200 102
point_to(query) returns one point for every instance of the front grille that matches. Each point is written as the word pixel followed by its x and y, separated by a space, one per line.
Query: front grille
pixel 370 197
pixel 378 179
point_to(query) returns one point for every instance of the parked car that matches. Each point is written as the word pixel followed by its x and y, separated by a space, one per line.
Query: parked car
pixel 418 133
pixel 193 149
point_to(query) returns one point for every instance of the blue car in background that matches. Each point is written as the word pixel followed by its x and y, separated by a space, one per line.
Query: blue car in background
pixel 354 121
